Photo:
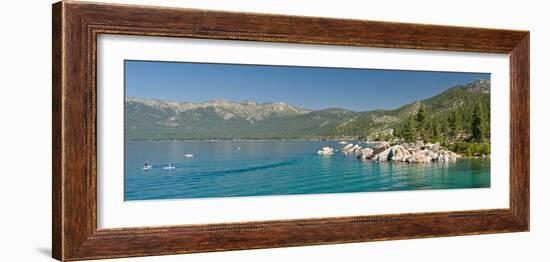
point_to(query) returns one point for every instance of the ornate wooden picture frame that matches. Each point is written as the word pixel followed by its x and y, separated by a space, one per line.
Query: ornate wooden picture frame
pixel 76 26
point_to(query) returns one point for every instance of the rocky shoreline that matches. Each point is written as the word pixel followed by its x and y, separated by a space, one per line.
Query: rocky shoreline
pixel 407 152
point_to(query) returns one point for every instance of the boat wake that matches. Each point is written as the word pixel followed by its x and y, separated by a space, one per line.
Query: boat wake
pixel 249 169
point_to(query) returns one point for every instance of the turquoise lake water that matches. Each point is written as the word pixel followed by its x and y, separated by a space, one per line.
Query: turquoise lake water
pixel 260 168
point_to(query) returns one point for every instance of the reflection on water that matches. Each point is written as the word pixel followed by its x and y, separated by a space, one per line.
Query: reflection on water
pixel 256 168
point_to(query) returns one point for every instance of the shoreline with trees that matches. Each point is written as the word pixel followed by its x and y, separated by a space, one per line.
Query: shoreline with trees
pixel 458 119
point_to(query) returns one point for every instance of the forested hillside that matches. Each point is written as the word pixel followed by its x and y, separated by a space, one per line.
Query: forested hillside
pixel 459 117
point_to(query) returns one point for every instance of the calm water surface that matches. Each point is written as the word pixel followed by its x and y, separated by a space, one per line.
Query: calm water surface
pixel 258 168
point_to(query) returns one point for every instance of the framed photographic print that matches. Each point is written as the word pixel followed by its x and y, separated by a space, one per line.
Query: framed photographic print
pixel 181 130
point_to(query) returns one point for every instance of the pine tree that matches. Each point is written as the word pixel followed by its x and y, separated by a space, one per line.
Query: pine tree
pixel 421 115
pixel 421 122
pixel 397 132
pixel 409 130
pixel 436 131
pixel 455 124
pixel 479 124
pixel 444 128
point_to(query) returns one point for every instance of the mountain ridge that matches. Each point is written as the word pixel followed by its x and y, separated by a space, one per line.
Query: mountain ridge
pixel 224 119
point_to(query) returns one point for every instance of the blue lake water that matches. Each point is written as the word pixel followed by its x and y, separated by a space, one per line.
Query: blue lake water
pixel 259 168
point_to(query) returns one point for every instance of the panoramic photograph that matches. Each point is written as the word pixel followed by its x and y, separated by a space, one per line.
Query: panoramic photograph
pixel 203 130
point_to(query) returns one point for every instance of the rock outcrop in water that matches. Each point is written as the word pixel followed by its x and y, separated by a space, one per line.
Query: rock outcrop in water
pixel 410 153
pixel 413 153
pixel 365 153
pixel 326 151
pixel 351 148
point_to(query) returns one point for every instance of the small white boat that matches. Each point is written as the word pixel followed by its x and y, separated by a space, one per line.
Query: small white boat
pixel 188 155
pixel 342 142
pixel 169 167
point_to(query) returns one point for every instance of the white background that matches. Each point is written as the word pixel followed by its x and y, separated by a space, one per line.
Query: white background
pixel 25 147
pixel 114 212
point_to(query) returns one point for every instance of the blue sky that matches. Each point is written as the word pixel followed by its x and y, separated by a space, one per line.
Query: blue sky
pixel 308 87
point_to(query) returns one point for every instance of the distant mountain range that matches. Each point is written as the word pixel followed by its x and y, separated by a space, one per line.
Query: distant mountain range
pixel 152 119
